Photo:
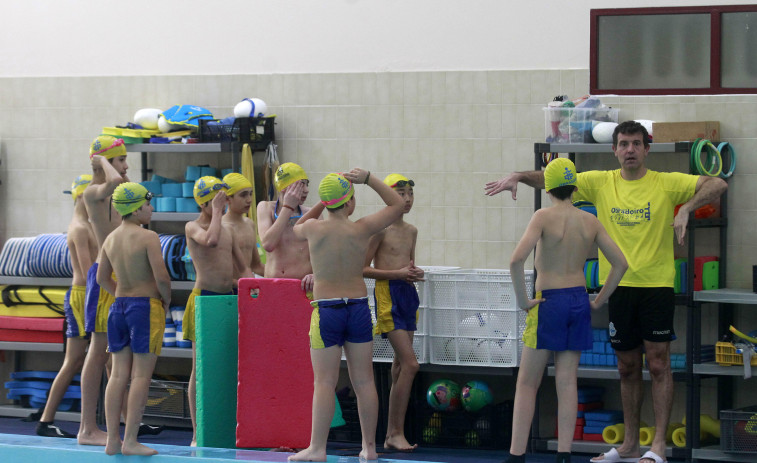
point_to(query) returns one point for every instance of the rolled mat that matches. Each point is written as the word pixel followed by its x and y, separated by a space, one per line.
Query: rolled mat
pixel 14 257
pixel 49 256
pixel 216 319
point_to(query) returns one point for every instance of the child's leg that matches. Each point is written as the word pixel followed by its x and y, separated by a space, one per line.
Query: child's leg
pixel 72 362
pixel 141 375
pixel 566 368
pixel 360 365
pixel 192 396
pixel 114 394
pixel 91 378
pixel 404 368
pixel 532 363
pixel 326 374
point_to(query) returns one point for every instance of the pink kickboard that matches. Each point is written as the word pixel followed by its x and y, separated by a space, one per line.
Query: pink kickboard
pixel 275 389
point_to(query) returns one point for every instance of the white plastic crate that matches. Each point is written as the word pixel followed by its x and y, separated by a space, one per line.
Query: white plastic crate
pixel 383 352
pixel 473 318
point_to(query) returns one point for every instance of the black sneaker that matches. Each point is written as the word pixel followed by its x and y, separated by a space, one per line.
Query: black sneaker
pixel 34 416
pixel 50 430
pixel 149 430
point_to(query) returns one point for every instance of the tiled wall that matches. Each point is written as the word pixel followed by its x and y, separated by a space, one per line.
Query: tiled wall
pixel 449 131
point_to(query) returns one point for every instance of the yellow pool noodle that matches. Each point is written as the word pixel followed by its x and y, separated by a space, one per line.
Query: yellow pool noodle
pixel 614 433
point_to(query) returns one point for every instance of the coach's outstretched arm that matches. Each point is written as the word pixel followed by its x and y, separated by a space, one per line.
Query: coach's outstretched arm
pixel 532 178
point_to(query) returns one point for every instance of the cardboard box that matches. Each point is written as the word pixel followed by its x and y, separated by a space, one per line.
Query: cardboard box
pixel 666 132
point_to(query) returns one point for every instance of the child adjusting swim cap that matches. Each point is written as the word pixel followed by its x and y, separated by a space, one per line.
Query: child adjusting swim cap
pixel 287 174
pixel 399 180
pixel 79 185
pixel 206 188
pixel 108 147
pixel 559 172
pixel 335 190
pixel 236 182
pixel 129 196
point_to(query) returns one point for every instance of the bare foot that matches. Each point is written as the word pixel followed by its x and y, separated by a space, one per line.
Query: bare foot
pixel 368 455
pixel 137 449
pixel 308 455
pixel 113 448
pixel 96 437
pixel 193 443
pixel 399 443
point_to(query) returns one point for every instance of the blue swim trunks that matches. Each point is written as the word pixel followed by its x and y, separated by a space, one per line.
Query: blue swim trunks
pixel 137 322
pixel 396 306
pixel 73 306
pixel 336 321
pixel 96 304
pixel 562 322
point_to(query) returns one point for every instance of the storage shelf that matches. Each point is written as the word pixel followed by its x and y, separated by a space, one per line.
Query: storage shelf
pixel 714 453
pixel 35 281
pixel 712 368
pixel 21 412
pixel 32 346
pixel 598 372
pixel 607 147
pixel 176 352
pixel 726 296
pixel 174 148
pixel 174 216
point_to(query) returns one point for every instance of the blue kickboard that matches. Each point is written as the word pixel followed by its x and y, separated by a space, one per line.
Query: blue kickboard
pixel 605 416
pixel 590 394
pixel 40 375
pixel 41 385
pixel 16 393
pixel 594 429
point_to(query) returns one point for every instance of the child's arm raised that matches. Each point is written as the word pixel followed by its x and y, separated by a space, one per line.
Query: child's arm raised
pixel 159 271
pixel 377 221
pixel 112 178
pixel 270 230
pixel 618 263
pixel 526 244
pixel 210 236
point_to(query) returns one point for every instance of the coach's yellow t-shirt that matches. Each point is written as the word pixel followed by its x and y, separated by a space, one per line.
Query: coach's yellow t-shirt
pixel 638 215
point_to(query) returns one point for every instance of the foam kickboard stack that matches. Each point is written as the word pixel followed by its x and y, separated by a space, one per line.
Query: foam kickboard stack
pixel 589 399
pixel 30 389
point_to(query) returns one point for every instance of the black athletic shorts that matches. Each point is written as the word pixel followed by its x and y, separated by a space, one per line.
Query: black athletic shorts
pixel 641 314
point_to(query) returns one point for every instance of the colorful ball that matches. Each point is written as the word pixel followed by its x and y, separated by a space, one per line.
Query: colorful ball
pixel 444 395
pixel 476 395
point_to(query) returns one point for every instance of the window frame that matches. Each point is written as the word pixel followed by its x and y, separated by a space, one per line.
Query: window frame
pixel 715 13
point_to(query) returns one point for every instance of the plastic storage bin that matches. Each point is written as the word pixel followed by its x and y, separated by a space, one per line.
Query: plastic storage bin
pixel 574 125
pixel 738 430
pixel 473 318
pixel 167 399
pixel 725 354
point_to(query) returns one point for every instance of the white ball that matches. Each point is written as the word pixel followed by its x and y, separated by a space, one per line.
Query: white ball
pixel 602 132
pixel 647 125
pixel 250 107
pixel 164 126
pixel 147 118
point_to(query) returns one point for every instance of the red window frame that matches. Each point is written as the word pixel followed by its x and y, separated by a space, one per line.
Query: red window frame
pixel 715 49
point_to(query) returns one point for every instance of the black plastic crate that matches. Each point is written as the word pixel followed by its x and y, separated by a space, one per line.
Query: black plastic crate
pixel 738 430
pixel 350 432
pixel 489 428
pixel 257 131
pixel 167 399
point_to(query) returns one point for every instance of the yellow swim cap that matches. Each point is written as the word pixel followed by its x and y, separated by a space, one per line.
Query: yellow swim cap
pixel 236 182
pixel 335 190
pixel 559 172
pixel 79 185
pixel 108 147
pixel 206 188
pixel 129 196
pixel 399 180
pixel 287 174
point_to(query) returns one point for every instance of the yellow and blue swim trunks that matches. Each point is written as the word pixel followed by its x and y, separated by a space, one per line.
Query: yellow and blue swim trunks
pixel 336 321
pixel 96 304
pixel 73 306
pixel 137 322
pixel 188 322
pixel 396 306
pixel 562 322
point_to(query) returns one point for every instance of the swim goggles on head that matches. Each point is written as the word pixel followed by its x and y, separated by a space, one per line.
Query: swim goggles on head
pixel 147 197
pixel 215 187
pixel 401 183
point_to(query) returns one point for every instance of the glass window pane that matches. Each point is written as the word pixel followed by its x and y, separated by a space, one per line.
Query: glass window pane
pixel 738 65
pixel 653 51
